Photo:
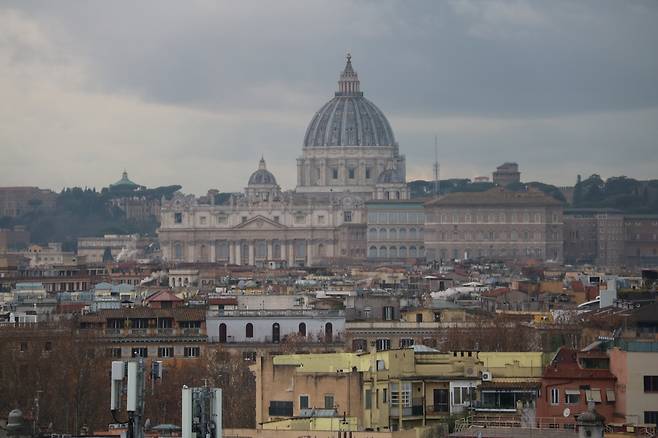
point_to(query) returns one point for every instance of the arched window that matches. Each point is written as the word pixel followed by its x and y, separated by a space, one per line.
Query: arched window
pixel 392 234
pixel 372 251
pixel 382 234
pixel 412 233
pixel 321 250
pixel 328 332
pixel 403 251
pixel 403 233
pixel 382 251
pixel 392 252
pixel 249 330
pixel 276 333
pixel 372 234
pixel 222 333
pixel 302 329
pixel 412 251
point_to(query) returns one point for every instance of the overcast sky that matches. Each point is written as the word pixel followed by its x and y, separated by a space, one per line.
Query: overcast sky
pixel 194 92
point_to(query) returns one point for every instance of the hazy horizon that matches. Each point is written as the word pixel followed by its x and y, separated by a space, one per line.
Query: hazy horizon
pixel 194 93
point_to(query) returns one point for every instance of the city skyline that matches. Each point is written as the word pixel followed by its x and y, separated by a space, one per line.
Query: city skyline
pixel 196 95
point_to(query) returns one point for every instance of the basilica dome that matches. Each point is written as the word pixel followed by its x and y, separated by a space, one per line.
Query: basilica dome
pixel 349 119
pixel 262 176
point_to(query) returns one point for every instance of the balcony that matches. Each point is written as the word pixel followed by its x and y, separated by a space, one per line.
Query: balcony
pixel 437 410
pixel 415 410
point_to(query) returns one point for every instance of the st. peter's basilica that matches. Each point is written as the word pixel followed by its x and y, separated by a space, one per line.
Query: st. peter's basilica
pixel 349 157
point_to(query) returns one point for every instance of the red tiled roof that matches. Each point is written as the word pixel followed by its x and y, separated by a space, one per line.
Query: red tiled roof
pixel 162 296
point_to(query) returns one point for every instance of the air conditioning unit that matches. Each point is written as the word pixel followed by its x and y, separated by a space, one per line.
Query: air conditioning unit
pixel 486 376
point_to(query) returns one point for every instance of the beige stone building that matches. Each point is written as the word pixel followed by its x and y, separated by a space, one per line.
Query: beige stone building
pixel 349 156
pixel 594 236
pixel 496 224
pixel 506 173
pixel 14 201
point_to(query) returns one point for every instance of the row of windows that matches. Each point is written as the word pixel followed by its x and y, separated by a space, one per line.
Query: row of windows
pixel 458 253
pixel 394 252
pixel 395 234
pixel 382 344
pixel 494 236
pixel 351 173
pixel 47 346
pixel 276 331
pixel 222 250
pixel 394 218
pixel 501 217
pixel 573 396
pixel 163 352
pixel 305 401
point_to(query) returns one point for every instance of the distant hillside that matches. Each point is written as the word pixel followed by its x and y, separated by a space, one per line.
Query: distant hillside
pixel 82 212
pixel 420 188
pixel 626 194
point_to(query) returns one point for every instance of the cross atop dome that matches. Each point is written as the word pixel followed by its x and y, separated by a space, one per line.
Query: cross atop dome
pixel 348 84
pixel 261 163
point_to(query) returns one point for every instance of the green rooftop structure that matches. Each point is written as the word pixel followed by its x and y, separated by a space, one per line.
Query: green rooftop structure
pixel 124 183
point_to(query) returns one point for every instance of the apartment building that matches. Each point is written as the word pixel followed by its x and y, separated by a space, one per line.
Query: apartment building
pixel 387 390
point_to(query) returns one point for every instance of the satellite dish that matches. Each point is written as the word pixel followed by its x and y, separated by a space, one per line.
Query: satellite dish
pixel 566 412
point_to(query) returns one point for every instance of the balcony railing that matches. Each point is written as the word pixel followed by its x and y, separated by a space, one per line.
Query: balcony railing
pixel 153 332
pixel 437 409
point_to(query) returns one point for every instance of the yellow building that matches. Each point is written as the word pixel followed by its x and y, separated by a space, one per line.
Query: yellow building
pixel 510 381
pixel 386 390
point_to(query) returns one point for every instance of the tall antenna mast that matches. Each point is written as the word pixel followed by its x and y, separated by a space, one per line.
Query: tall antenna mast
pixel 436 167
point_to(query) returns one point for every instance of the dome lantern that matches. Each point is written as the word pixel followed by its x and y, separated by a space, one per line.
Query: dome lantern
pixel 348 84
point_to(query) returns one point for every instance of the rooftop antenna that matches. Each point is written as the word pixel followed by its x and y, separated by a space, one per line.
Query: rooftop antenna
pixel 437 183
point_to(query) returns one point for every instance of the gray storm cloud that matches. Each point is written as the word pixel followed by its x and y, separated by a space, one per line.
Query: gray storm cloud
pixel 194 92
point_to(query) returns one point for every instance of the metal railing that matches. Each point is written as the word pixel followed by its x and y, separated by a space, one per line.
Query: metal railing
pixel 514 421
pixel 146 332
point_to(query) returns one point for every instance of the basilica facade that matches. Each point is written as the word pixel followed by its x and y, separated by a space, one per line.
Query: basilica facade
pixel 349 157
